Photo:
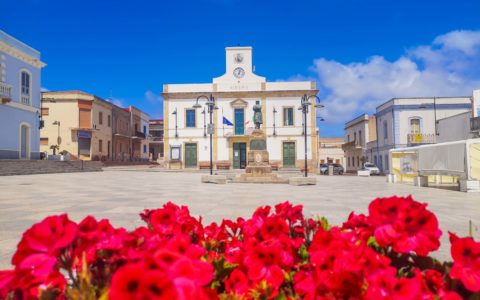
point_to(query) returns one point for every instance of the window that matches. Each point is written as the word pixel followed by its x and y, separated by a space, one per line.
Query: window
pixel 385 130
pixel 109 120
pixel 44 141
pixel 190 116
pixel 348 138
pixel 354 136
pixel 360 137
pixel 386 162
pixel 25 87
pixel 144 148
pixel 100 145
pixel 358 161
pixel 145 129
pixel 45 111
pixel 348 161
pixel 288 116
pixel 375 159
pixel 239 119
pixel 415 126
pixel 100 117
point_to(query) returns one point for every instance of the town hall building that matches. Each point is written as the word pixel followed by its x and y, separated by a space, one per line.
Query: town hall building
pixel 186 130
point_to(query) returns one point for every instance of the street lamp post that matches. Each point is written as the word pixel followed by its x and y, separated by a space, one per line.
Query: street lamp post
pixel 58 135
pixel 211 106
pixel 204 122
pixel 176 126
pixel 304 104
pixel 274 112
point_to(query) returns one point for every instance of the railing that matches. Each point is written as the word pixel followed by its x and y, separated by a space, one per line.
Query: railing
pixel 140 134
pixel 155 138
pixel 475 124
pixel 5 90
pixel 421 138
pixel 25 99
pixel 352 144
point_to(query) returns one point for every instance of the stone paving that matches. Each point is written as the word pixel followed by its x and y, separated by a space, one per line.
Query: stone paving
pixel 121 194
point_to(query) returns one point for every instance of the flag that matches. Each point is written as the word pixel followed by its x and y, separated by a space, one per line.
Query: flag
pixel 227 122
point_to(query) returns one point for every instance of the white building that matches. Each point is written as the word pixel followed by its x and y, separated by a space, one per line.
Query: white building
pixel 358 132
pixel 404 122
pixel 186 140
pixel 330 151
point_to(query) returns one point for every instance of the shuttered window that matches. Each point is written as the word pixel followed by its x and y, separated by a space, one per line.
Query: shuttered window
pixel 85 118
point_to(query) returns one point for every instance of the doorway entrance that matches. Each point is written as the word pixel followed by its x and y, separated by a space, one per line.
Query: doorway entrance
pixel 24 142
pixel 239 155
pixel 288 154
pixel 190 155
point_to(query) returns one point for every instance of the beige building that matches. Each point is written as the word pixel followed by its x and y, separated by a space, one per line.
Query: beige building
pixel 358 132
pixel 330 151
pixel 76 123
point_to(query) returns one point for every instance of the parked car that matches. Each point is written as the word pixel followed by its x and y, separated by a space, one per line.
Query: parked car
pixel 374 170
pixel 337 169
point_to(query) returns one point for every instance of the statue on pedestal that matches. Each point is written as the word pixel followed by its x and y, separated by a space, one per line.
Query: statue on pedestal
pixel 257 115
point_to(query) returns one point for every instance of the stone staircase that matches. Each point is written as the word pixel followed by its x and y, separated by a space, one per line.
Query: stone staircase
pixel 29 167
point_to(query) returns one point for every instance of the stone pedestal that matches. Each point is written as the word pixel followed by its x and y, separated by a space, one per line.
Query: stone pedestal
pixel 420 181
pixel 302 181
pixel 391 178
pixel 469 186
pixel 258 168
pixel 218 179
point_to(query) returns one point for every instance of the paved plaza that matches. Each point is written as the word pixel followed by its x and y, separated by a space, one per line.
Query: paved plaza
pixel 121 194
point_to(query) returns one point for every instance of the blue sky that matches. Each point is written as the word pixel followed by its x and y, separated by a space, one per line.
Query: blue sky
pixel 361 53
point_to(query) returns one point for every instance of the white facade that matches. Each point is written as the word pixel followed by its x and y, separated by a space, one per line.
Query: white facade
pixel 239 89
pixel 358 132
pixel 403 122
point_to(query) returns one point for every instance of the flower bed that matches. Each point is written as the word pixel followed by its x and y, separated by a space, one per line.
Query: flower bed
pixel 278 253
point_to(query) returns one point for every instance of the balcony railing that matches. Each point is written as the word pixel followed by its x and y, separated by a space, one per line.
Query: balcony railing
pixel 421 138
pixel 5 90
pixel 139 134
pixel 352 145
pixel 475 124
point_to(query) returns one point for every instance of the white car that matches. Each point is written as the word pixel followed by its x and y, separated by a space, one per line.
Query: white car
pixel 374 170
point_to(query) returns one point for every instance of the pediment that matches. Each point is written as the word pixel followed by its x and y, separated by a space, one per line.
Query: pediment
pixel 239 103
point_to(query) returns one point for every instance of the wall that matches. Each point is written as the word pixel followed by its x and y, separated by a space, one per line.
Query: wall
pixel 454 128
pixel 67 113
pixel 103 132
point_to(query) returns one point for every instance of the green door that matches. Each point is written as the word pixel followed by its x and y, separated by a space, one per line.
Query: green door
pixel 190 155
pixel 288 154
pixel 239 155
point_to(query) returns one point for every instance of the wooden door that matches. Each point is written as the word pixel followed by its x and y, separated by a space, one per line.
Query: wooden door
pixel 288 154
pixel 190 155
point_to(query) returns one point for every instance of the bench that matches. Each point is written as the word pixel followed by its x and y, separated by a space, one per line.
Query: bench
pixel 223 165
pixel 204 165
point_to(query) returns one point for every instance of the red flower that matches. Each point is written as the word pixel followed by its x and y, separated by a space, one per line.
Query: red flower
pixel 237 282
pixel 466 266
pixel 404 224
pixel 133 281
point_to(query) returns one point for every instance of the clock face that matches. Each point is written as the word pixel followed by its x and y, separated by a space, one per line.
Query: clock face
pixel 238 73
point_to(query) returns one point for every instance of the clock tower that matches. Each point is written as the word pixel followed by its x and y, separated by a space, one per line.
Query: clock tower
pixel 239 67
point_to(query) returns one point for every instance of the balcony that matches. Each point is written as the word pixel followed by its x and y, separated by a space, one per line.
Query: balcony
pixel 475 124
pixel 5 92
pixel 139 135
pixel 352 145
pixel 421 138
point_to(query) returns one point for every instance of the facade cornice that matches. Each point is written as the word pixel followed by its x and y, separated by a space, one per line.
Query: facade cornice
pixel 22 107
pixel 10 50
pixel 239 94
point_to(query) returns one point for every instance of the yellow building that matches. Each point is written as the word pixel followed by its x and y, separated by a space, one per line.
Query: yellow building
pixel 77 123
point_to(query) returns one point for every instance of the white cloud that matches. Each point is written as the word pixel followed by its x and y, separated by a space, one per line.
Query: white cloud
pixel 44 89
pixel 153 98
pixel 450 66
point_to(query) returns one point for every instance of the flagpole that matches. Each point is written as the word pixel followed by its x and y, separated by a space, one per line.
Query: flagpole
pixel 223 123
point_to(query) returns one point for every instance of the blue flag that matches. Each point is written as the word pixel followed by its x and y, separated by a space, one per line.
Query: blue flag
pixel 227 122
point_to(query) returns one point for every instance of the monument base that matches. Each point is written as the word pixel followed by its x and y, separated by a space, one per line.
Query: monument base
pixel 259 178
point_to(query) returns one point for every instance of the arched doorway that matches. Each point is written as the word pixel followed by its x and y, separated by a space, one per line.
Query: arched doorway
pixel 24 141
